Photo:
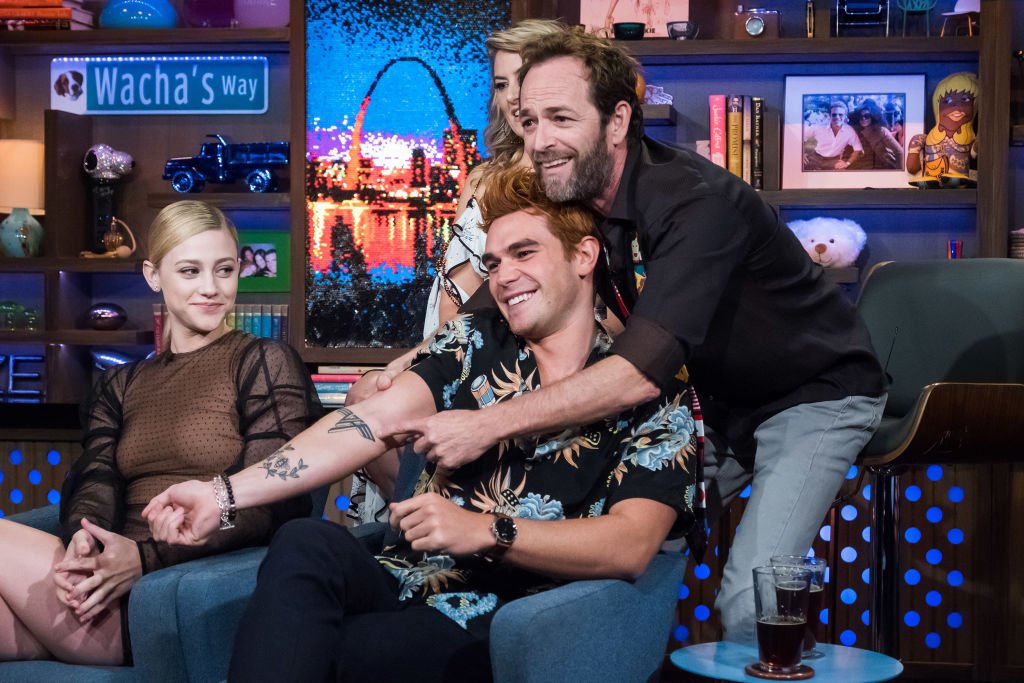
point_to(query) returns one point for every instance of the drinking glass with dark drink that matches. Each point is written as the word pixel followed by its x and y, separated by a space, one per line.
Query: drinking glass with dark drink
pixel 780 599
pixel 815 599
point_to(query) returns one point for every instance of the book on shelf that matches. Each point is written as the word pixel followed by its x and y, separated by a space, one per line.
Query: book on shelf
pixel 260 320
pixel 716 109
pixel 330 400
pixel 159 313
pixel 747 114
pixel 332 387
pixel 346 369
pixel 41 25
pixel 734 135
pixel 757 143
pixel 72 14
pixel 22 4
pixel 349 377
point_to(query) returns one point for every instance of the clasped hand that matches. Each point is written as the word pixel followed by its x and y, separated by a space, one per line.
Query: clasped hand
pixel 184 514
pixel 88 579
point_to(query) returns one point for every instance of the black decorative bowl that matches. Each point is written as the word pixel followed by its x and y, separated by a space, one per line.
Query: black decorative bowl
pixel 628 30
pixel 107 316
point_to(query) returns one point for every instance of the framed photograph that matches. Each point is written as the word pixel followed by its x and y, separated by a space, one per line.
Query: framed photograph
pixel 850 131
pixel 264 261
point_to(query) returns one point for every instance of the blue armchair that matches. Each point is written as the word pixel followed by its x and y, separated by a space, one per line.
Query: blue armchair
pixel 183 620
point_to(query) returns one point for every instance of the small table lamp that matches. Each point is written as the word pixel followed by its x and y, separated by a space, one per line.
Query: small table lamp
pixel 21 194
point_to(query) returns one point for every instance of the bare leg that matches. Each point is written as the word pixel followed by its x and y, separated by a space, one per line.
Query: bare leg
pixel 39 625
pixel 16 641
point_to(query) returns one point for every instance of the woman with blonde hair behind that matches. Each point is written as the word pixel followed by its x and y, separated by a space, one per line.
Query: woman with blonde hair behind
pixel 215 401
pixel 460 270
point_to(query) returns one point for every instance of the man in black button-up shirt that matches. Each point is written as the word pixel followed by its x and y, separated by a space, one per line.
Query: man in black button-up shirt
pixel 704 274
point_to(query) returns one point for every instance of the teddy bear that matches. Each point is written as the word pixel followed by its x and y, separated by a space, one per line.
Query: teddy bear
pixel 830 242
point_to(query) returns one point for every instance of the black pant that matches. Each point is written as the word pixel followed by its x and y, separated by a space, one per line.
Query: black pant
pixel 325 610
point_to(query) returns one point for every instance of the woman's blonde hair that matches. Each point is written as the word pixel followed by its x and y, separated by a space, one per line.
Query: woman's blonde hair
pixel 178 222
pixel 502 142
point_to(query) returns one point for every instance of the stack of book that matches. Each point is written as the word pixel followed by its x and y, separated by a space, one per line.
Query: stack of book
pixel 28 15
pixel 260 320
pixel 737 136
pixel 332 382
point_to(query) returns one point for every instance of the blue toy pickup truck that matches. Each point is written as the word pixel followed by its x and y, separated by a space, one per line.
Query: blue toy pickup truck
pixel 220 162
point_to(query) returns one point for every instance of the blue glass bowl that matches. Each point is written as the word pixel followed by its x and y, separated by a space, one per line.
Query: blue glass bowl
pixel 139 14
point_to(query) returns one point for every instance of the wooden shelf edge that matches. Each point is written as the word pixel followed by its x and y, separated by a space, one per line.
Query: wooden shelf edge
pixel 41 434
pixel 235 201
pixel 100 337
pixel 349 356
pixel 78 337
pixel 23 337
pixel 812 49
pixel 40 422
pixel 119 40
pixel 72 264
pixel 873 198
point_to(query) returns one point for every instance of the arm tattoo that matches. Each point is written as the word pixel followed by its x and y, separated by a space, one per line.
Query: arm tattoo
pixel 278 465
pixel 350 420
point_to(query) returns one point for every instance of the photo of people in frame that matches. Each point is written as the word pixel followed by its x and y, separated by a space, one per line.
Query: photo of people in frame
pixel 257 260
pixel 857 132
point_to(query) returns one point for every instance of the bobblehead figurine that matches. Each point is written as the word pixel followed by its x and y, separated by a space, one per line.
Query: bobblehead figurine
pixel 943 157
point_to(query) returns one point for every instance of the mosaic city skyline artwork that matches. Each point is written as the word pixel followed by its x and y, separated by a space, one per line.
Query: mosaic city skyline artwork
pixel 396 106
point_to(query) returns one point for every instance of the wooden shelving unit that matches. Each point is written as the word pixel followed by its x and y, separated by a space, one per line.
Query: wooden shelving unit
pixel 64 284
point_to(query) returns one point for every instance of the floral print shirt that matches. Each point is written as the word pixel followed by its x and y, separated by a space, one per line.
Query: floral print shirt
pixel 649 452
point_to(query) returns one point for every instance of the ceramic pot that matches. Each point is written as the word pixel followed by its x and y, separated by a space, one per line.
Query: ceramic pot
pixel 21 235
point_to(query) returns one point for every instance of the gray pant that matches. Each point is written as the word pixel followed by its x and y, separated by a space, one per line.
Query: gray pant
pixel 802 456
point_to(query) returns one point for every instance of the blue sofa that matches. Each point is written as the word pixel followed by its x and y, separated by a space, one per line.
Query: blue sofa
pixel 183 619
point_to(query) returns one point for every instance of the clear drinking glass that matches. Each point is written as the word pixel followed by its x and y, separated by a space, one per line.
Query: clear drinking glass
pixel 780 599
pixel 815 600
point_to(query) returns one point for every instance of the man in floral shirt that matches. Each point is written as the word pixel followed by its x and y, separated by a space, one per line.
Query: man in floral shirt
pixel 591 502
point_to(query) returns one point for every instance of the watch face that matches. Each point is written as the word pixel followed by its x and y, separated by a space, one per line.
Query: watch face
pixel 505 530
pixel 755 26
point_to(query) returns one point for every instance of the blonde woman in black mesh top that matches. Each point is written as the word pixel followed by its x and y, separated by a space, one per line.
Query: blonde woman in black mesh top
pixel 217 400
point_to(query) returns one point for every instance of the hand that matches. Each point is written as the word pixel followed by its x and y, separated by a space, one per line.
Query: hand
pixel 450 438
pixel 364 388
pixel 184 514
pixel 432 523
pixel 840 165
pixel 395 368
pixel 379 379
pixel 110 574
pixel 82 545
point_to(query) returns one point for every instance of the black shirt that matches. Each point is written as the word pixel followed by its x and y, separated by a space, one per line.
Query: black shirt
pixel 729 291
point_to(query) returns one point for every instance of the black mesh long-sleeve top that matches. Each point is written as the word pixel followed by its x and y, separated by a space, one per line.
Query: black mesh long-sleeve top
pixel 175 417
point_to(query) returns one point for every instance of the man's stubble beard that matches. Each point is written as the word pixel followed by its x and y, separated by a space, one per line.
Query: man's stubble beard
pixel 593 173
